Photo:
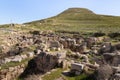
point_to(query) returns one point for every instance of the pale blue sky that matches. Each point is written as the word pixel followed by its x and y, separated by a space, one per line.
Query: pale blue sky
pixel 20 11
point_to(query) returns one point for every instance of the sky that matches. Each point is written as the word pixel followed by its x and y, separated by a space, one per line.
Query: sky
pixel 21 11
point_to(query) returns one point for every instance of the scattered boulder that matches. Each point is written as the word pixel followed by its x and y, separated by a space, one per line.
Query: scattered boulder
pixel 6 60
pixel 90 41
pixel 77 68
pixel 104 72
pixel 106 48
pixel 17 59
pixel 112 58
pixel 24 56
pixel 30 54
pixel 98 34
pixel 117 46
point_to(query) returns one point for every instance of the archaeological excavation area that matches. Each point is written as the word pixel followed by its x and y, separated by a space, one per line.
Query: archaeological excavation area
pixel 47 55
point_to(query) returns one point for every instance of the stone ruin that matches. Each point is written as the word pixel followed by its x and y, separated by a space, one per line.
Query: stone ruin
pixel 11 72
pixel 43 63
pixel 48 55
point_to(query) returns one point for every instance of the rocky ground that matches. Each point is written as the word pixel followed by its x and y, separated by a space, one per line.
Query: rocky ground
pixel 24 54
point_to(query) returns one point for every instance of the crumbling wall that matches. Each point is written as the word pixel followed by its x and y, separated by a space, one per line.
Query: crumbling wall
pixel 11 72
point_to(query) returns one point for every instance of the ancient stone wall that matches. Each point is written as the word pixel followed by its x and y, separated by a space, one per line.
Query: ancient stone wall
pixel 12 72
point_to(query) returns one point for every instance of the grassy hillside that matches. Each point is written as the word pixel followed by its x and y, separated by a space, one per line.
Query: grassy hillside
pixel 79 20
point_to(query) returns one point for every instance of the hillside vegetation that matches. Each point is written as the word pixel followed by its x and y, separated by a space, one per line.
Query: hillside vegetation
pixel 78 20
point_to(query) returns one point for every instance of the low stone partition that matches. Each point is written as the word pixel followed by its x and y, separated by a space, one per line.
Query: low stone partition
pixel 17 58
pixel 11 73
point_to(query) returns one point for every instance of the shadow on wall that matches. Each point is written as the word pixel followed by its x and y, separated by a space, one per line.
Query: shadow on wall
pixel 40 64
